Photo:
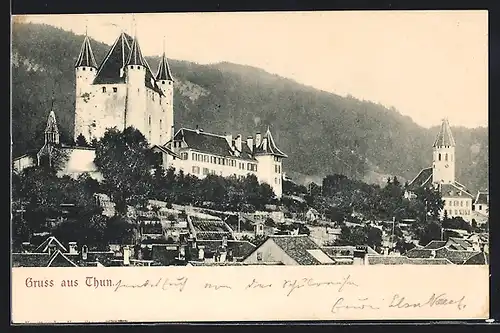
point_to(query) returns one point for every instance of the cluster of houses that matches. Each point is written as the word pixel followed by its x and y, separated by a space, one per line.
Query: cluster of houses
pixel 172 236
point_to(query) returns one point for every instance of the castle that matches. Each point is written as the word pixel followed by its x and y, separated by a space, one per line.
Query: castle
pixel 458 201
pixel 123 92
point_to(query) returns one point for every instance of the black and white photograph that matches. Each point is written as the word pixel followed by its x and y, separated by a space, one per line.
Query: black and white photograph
pixel 240 139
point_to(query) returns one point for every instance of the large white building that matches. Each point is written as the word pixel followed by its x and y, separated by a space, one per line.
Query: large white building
pixel 123 91
pixel 457 199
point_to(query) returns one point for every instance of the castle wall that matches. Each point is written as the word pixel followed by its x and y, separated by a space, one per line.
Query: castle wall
pixel 135 114
pixel 109 108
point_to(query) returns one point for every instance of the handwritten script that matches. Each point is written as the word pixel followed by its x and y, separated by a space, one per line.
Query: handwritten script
pixel 344 292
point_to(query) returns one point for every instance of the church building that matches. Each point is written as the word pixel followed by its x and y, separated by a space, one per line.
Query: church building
pixel 123 92
pixel 457 199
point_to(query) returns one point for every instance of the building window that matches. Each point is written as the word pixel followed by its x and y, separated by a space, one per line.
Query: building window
pixel 467 204
pixel 149 120
pixel 205 171
pixel 259 256
pixel 446 157
pixel 439 158
pixel 193 157
pixel 480 207
pixel 456 213
pixel 103 89
pixel 115 89
pixel 276 180
pixel 461 203
pixel 160 124
pixel 196 170
pixel 184 156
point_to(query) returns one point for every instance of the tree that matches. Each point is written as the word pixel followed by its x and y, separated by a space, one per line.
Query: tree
pixel 456 223
pixel 430 232
pixel 81 141
pixel 431 200
pixel 125 161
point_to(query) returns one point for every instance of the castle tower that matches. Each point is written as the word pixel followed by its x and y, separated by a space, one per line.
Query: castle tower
pixel 135 76
pixel 165 81
pixel 85 73
pixel 443 161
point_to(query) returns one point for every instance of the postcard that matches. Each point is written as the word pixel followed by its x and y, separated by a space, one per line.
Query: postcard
pixel 187 167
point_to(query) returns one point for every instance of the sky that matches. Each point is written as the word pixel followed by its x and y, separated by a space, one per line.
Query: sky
pixel 429 65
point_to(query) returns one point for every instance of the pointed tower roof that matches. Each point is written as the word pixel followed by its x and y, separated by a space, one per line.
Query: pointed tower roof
pixel 51 123
pixel 86 57
pixel 135 57
pixel 115 60
pixel 164 72
pixel 270 147
pixel 444 137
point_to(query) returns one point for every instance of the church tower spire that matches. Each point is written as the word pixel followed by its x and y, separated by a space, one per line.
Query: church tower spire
pixel 51 130
pixel 443 166
pixel 86 57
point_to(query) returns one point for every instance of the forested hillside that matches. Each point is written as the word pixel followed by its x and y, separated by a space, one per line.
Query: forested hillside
pixel 321 132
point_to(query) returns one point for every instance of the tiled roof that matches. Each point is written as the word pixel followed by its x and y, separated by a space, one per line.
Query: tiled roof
pixel 403 260
pixel 478 259
pixel 435 244
pixel 334 251
pixel 164 72
pixel 86 57
pixel 482 198
pixel 268 146
pixel 454 191
pixel 204 142
pixel 120 53
pixel 444 137
pixel 218 145
pixel 135 56
pixel 30 259
pixel 455 256
pixel 42 248
pixel 423 178
pixel 115 60
pixel 240 249
pixel 296 248
pixel 455 243
pixel 59 259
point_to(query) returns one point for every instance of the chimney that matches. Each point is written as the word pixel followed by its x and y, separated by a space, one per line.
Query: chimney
pixel 52 248
pixel 73 249
pixel 26 247
pixel 258 139
pixel 201 253
pixel 85 250
pixel 250 143
pixel 223 255
pixel 264 143
pixel 238 142
pixel 229 139
pixel 126 256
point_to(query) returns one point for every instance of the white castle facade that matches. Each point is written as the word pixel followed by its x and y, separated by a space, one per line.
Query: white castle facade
pixel 123 92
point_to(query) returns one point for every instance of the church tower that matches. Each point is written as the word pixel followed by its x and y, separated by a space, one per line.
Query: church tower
pixel 51 136
pixel 85 73
pixel 443 161
pixel 165 81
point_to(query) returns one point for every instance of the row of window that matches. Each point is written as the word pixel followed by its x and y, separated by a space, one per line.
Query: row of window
pixel 456 203
pixel 445 157
pixel 277 168
pixel 206 171
pixel 458 212
pixel 220 161
pixel 277 181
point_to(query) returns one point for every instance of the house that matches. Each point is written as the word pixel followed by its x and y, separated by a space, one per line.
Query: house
pixel 457 257
pixel 289 250
pixel 202 154
pixel 349 254
pixel 441 176
pixel 482 202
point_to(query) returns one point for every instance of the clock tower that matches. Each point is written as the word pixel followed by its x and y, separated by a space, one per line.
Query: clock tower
pixel 443 160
